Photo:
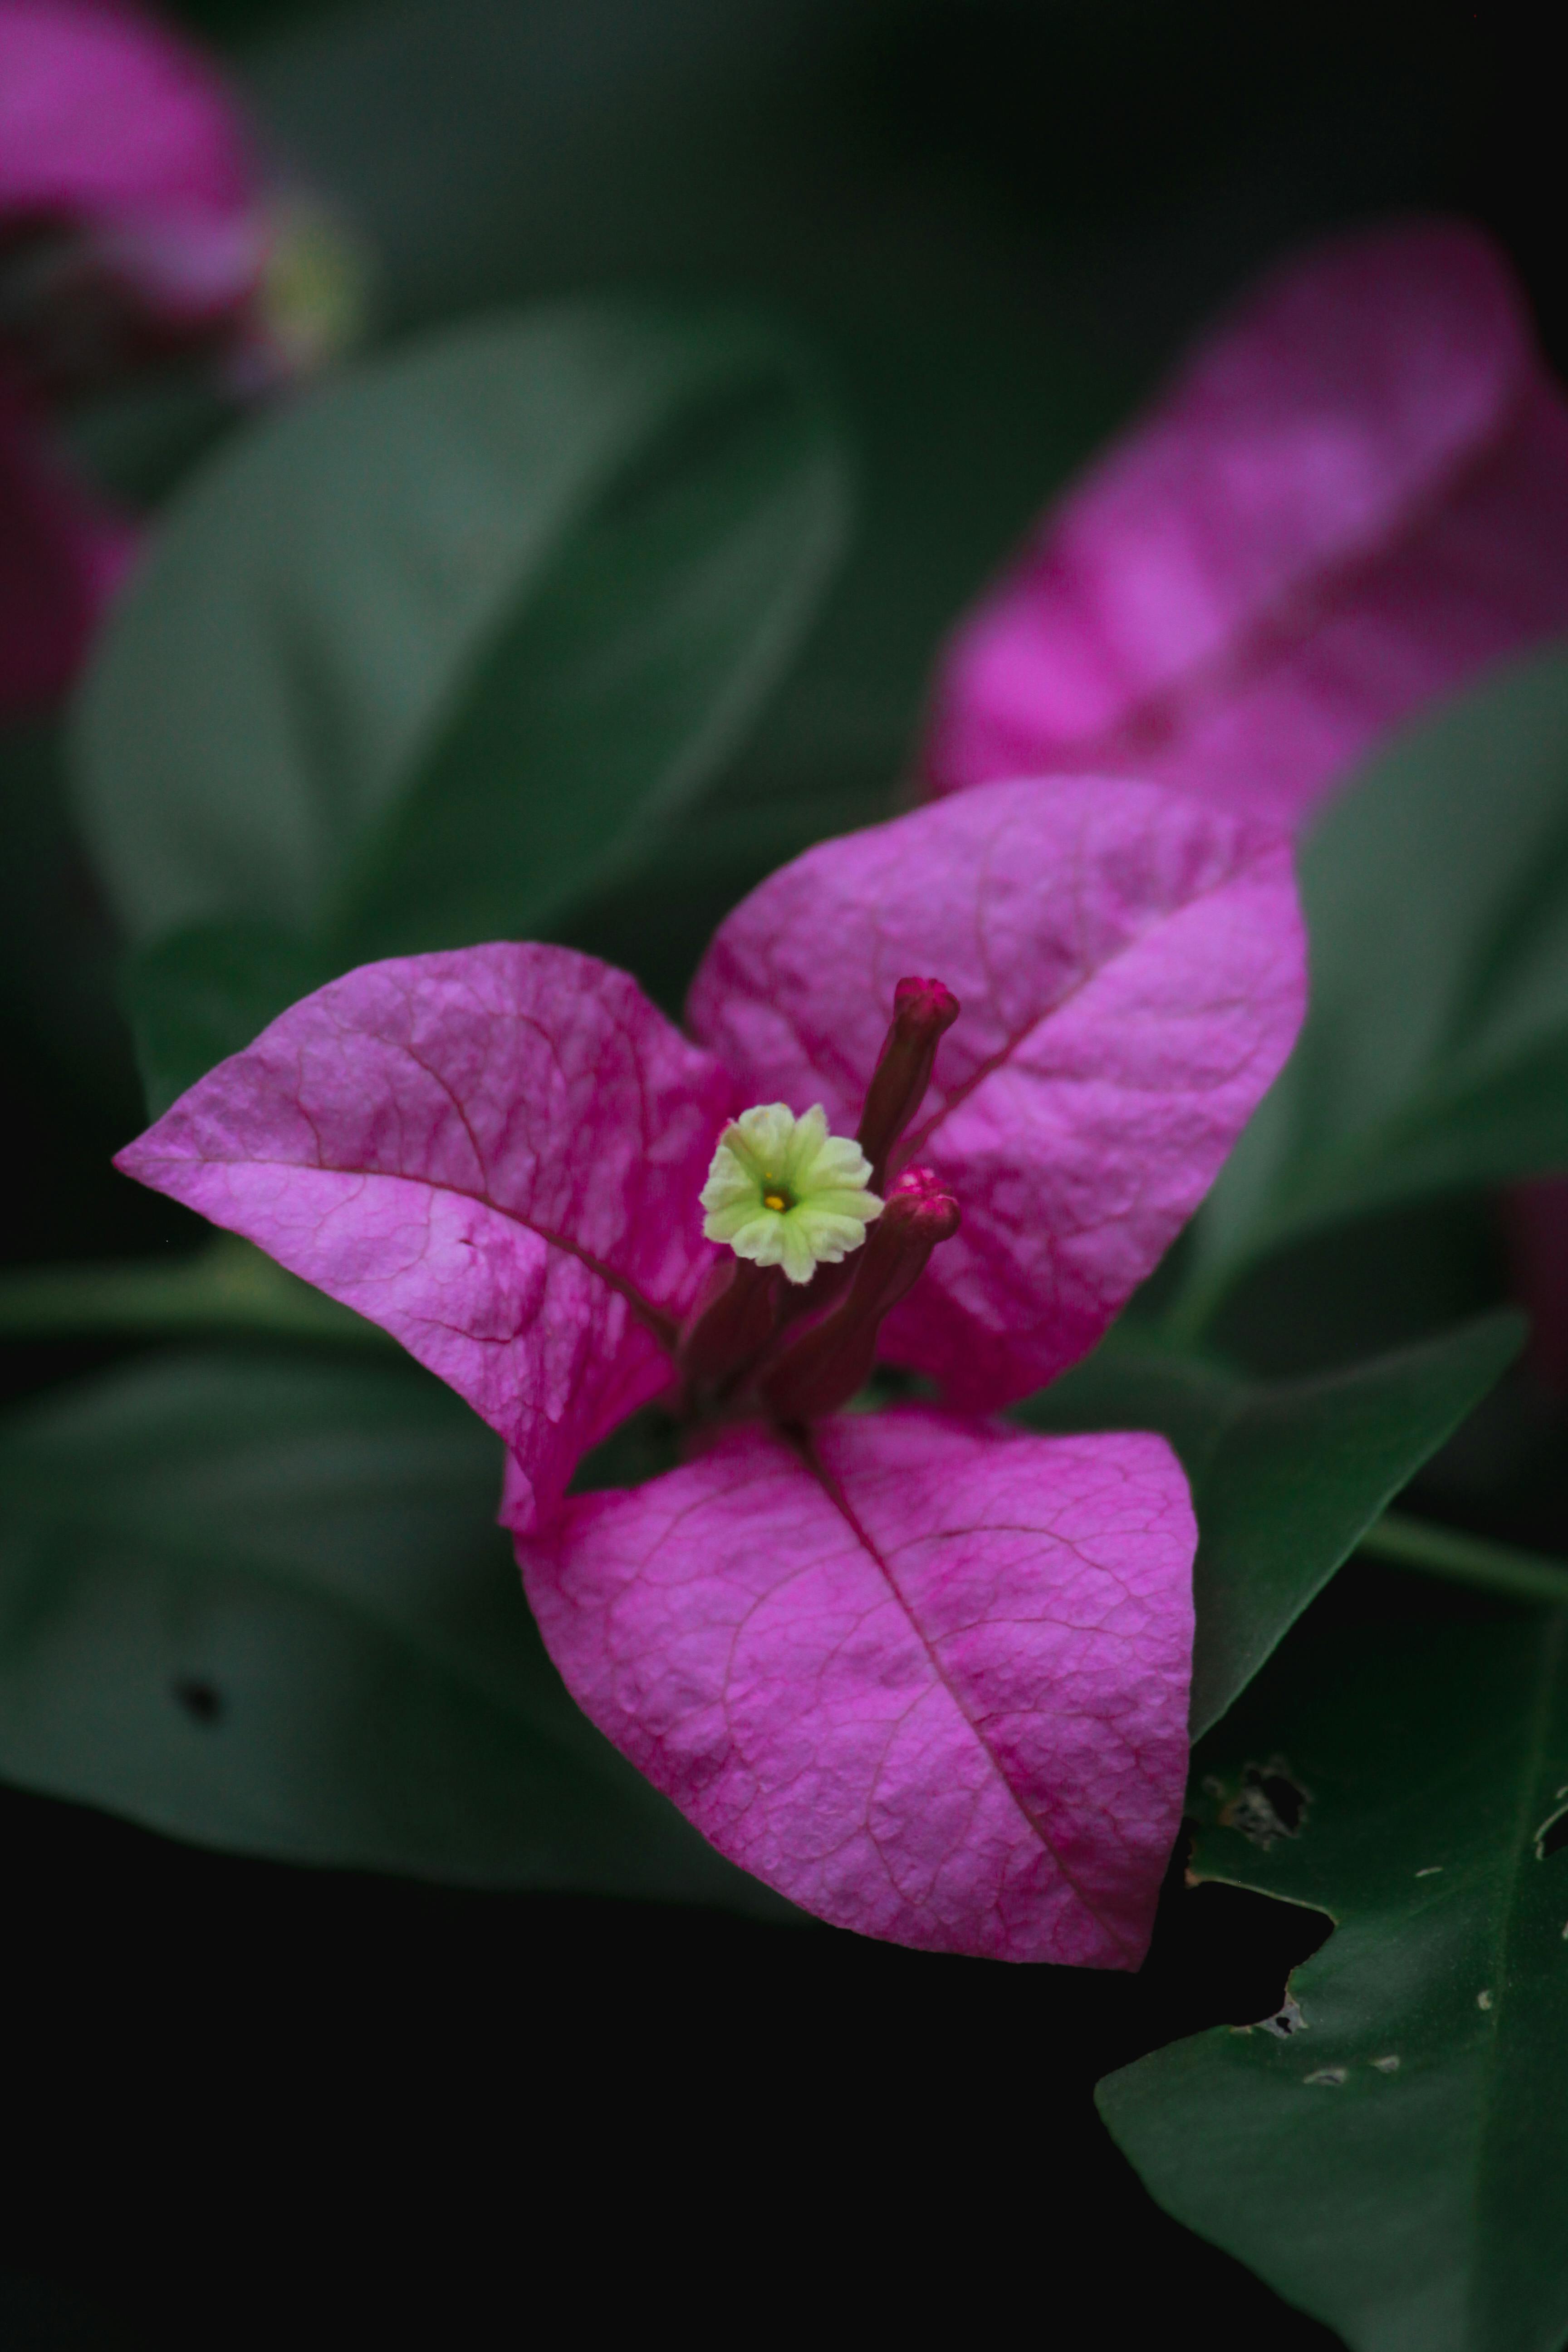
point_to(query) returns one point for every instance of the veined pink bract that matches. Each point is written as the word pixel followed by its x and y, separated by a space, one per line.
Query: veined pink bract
pixel 1350 502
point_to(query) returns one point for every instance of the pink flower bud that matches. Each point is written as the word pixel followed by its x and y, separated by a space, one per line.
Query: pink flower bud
pixel 924 1011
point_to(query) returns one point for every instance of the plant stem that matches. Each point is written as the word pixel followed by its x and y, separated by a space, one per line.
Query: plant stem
pixel 1466 1559
pixel 228 1286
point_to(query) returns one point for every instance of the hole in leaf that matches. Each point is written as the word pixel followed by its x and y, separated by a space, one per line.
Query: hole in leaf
pixel 1224 1955
pixel 1269 1804
pixel 201 1701
pixel 1553 1834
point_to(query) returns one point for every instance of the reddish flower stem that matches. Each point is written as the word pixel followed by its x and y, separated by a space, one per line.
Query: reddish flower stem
pixel 731 1323
pixel 824 1369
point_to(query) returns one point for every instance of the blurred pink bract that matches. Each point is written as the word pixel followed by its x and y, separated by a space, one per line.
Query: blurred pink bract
pixel 925 1674
pixel 112 125
pixel 1353 499
pixel 128 204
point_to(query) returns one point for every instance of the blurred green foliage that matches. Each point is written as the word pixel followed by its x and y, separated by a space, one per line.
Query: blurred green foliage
pixel 430 657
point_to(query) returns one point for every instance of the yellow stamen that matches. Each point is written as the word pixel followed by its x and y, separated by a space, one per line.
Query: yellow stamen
pixel 774 1201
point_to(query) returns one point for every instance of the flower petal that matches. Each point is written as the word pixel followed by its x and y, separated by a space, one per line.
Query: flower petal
pixel 1353 497
pixel 1132 971
pixel 934 1690
pixel 495 1154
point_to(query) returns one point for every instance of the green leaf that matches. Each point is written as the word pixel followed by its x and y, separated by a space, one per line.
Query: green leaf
pixel 1390 2155
pixel 57 949
pixel 494 154
pixel 1287 1475
pixel 434 654
pixel 199 994
pixel 657 922
pixel 1435 1050
pixel 622 682
pixel 264 1605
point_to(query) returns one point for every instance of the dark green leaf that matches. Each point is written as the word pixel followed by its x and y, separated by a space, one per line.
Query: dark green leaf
pixel 1287 1475
pixel 494 154
pixel 1402 1273
pixel 57 949
pixel 266 1606
pixel 432 656
pixel 649 635
pixel 1391 2153
pixel 657 922
pixel 197 995
pixel 1435 1050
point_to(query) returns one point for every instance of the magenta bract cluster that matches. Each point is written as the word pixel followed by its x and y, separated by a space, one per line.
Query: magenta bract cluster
pixel 923 1673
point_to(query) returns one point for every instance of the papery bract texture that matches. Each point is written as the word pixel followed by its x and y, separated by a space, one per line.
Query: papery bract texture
pixel 110 124
pixel 496 1154
pixel 62 554
pixel 1354 497
pixel 1132 971
pixel 933 1688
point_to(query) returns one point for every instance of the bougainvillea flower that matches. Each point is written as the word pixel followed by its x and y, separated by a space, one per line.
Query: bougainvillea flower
pixel 922 1671
pixel 1353 498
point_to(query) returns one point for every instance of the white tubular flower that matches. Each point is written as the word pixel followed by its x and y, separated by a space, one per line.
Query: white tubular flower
pixel 782 1192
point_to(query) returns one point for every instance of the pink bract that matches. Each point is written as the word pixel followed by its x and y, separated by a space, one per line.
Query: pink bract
pixel 494 1154
pixel 1351 499
pixel 927 1678
pixel 1128 968
pixel 112 126
pixel 935 1692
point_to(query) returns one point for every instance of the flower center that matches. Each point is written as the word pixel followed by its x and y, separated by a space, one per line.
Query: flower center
pixel 788 1196
pixel 782 1192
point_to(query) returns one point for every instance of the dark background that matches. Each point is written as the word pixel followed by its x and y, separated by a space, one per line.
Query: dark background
pixel 246 2103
